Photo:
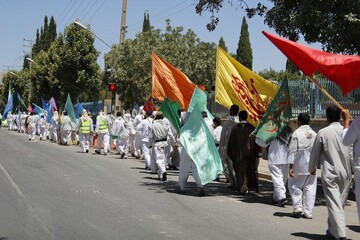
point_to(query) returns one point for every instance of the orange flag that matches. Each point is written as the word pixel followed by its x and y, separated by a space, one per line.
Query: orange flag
pixel 170 82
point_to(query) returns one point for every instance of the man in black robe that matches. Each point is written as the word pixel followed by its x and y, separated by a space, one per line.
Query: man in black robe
pixel 244 153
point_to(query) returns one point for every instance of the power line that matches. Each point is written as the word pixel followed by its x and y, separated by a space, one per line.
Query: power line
pixel 70 19
pixel 160 13
pixel 171 14
pixel 68 4
pixel 96 11
pixel 90 9
pixel 66 14
pixel 85 8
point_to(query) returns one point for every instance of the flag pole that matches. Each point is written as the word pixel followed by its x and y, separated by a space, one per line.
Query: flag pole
pixel 323 90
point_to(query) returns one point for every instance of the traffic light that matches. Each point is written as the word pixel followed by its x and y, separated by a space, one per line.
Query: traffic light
pixel 112 87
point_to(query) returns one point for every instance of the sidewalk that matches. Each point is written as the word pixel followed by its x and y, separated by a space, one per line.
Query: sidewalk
pixel 263 170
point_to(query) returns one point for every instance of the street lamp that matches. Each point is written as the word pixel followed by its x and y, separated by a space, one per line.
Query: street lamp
pixel 82 26
pixel 30 60
pixel 14 74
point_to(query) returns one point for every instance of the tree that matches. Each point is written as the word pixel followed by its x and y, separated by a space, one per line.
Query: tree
pixel 336 28
pixel 146 22
pixel 46 36
pixel 222 44
pixel 131 64
pixel 279 76
pixel 244 51
pixel 69 66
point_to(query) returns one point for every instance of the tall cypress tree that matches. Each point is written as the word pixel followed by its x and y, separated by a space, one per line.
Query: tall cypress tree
pixel 52 30
pixel 35 48
pixel 146 22
pixel 222 44
pixel 244 51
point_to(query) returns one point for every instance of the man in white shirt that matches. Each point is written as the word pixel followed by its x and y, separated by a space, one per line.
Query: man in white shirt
pixel 65 128
pixel 144 129
pixel 279 165
pixel 302 184
pixel 158 140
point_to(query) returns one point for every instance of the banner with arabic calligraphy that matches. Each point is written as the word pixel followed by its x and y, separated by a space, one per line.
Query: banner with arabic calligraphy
pixel 236 84
pixel 276 117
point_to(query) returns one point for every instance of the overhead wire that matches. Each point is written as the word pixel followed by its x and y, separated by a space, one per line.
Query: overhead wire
pixel 97 10
pixel 158 19
pixel 63 11
pixel 85 8
pixel 90 9
pixel 71 18
pixel 66 16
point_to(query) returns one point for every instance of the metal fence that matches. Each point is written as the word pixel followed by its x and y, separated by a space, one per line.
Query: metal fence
pixel 306 97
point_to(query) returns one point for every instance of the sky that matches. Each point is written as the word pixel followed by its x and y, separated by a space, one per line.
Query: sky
pixel 19 20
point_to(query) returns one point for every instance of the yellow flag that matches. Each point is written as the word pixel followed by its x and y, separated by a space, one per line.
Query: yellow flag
pixel 236 84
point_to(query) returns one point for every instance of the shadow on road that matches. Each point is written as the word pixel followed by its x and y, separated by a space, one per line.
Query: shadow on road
pixel 310 236
pixel 354 228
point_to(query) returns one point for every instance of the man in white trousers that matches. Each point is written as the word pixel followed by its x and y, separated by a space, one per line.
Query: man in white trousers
pixel 65 128
pixel 102 130
pixel 137 139
pixel 31 121
pixel 84 129
pixel 187 164
pixel 351 135
pixel 119 130
pixel 42 124
pixel 279 164
pixel 158 140
pixel 144 129
pixel 302 184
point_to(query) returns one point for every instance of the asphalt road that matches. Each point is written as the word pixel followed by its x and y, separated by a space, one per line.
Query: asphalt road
pixel 48 191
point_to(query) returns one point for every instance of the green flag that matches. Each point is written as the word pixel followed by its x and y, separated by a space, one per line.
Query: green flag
pixel 276 117
pixel 70 109
pixel 21 102
pixel 199 143
pixel 199 97
pixel 170 112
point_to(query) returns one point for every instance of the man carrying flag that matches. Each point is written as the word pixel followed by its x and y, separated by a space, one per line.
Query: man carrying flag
pixel 334 159
pixel 273 130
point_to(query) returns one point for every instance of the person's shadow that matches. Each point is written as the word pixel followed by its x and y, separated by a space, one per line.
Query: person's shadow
pixel 354 228
pixel 310 236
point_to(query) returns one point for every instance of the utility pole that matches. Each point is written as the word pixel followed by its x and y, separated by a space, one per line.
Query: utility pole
pixel 30 62
pixel 123 23
pixel 122 39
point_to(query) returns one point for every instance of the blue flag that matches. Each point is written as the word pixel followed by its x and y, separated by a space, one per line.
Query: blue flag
pixel 21 101
pixel 198 142
pixel 9 105
pixel 78 109
pixel 49 113
pixel 44 104
pixel 38 110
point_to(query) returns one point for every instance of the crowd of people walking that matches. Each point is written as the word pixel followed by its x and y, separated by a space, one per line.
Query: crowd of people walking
pixel 293 156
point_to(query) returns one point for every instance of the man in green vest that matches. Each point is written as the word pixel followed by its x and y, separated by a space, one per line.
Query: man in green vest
pixel 84 129
pixel 102 131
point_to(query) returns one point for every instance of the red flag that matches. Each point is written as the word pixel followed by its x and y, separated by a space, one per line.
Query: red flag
pixel 344 70
pixel 149 106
